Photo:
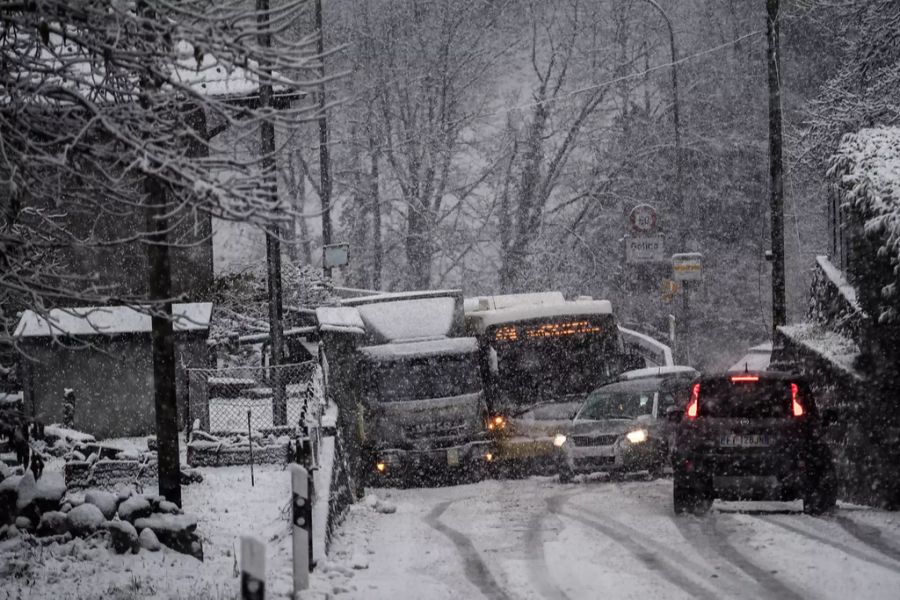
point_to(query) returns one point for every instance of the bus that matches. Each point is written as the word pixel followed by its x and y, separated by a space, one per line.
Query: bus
pixel 540 355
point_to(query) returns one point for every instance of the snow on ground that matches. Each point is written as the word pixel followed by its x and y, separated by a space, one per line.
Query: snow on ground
pixel 534 538
pixel 227 507
pixel 522 539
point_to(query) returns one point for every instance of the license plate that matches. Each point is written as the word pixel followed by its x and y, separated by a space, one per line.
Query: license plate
pixel 453 457
pixel 733 440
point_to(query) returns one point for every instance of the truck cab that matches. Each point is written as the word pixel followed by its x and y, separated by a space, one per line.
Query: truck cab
pixel 408 383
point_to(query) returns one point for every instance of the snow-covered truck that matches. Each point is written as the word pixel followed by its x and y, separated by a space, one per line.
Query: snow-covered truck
pixel 540 356
pixel 407 382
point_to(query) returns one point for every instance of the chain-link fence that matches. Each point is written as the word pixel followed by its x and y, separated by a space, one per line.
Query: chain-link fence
pixel 274 399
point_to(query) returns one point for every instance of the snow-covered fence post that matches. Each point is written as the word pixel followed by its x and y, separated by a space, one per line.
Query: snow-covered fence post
pixel 301 512
pixel 253 569
pixel 250 446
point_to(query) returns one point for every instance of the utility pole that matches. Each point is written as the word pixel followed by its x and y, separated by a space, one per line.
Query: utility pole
pixel 273 239
pixel 162 341
pixel 776 166
pixel 162 334
pixel 324 163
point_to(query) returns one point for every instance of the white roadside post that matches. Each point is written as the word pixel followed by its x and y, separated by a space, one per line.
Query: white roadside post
pixel 301 511
pixel 253 569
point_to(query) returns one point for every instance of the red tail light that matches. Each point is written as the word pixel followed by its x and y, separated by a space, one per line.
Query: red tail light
pixel 796 407
pixel 693 408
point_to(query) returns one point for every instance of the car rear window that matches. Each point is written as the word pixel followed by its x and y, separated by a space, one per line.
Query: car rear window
pixel 745 400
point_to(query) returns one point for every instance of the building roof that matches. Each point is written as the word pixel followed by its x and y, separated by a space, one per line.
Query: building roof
pixel 109 320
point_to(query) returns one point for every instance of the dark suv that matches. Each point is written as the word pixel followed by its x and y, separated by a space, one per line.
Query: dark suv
pixel 751 436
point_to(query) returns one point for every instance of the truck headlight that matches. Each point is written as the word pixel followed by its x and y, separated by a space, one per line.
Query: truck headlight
pixel 637 436
pixel 558 440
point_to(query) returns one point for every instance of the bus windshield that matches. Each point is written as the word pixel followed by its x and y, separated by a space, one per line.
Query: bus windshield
pixel 547 360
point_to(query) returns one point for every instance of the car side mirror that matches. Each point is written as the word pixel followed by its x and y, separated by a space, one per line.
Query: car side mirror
pixel 673 414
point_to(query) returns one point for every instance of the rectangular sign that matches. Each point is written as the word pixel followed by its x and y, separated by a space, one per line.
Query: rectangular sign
pixel 336 255
pixel 687 266
pixel 641 249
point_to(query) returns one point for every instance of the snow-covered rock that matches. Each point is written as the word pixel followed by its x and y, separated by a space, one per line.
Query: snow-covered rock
pixel 25 491
pixel 168 507
pixel 175 531
pixel 149 541
pixel 38 496
pixel 5 470
pixel 124 494
pixel 53 522
pixel 66 507
pixel 169 523
pixel 24 523
pixel 381 506
pixel 12 532
pixel 85 519
pixel 123 537
pixel 105 501
pixel 73 499
pixel 135 507
pixel 58 432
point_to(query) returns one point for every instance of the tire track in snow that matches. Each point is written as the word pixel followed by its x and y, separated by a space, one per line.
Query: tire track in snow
pixel 733 587
pixel 476 570
pixel 709 535
pixel 534 546
pixel 653 560
pixel 893 564
pixel 868 535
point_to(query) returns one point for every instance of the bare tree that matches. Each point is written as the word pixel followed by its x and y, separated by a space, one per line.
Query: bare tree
pixel 104 115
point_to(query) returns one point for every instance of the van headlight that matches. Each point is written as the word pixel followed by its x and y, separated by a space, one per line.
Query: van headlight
pixel 637 436
pixel 558 440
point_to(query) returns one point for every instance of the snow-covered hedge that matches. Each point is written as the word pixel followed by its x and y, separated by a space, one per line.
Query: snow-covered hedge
pixel 866 169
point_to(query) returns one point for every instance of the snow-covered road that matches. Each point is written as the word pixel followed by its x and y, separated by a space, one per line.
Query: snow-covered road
pixel 536 539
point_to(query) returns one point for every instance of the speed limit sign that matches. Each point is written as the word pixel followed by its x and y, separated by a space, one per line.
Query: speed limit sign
pixel 642 219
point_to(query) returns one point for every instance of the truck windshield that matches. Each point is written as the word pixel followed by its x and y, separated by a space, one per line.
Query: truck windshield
pixel 424 378
pixel 550 359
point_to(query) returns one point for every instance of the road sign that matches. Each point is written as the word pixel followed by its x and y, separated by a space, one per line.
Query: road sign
pixel 642 219
pixel 669 289
pixel 336 255
pixel 643 249
pixel 687 266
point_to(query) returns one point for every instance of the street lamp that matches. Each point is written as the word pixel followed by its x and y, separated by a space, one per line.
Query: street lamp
pixel 676 119
pixel 686 221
